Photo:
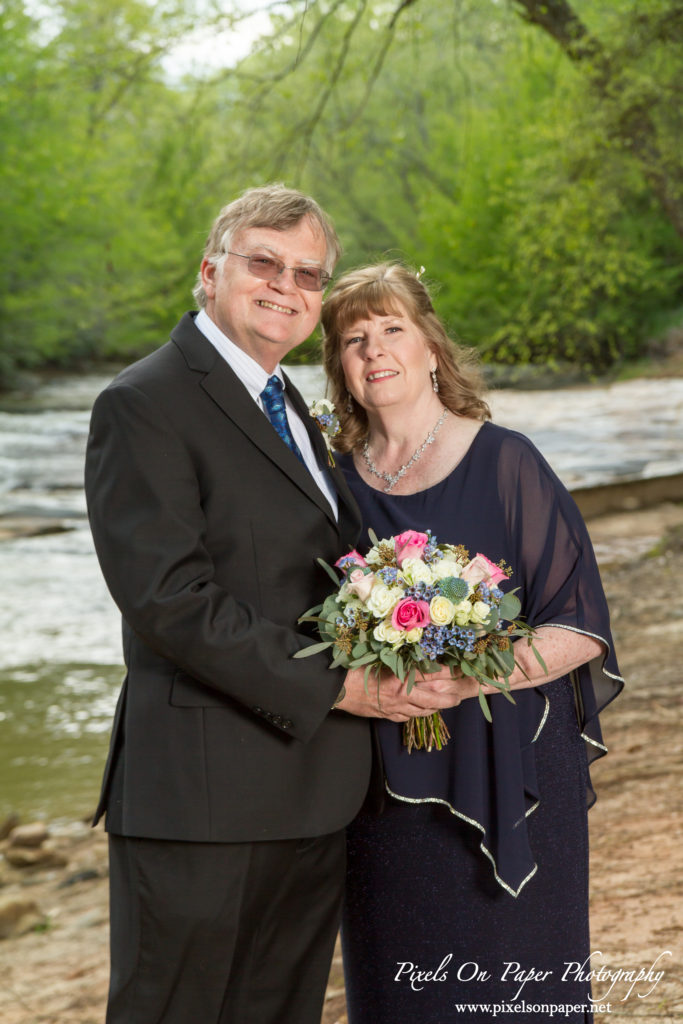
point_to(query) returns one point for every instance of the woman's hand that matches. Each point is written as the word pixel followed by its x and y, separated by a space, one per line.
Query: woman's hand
pixel 561 649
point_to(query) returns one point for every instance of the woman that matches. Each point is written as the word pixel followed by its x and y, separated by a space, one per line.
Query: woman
pixel 469 887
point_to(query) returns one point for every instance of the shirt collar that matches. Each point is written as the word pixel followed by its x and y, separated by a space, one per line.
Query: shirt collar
pixel 251 373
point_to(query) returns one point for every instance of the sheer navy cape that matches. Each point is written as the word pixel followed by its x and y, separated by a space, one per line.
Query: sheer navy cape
pixel 504 501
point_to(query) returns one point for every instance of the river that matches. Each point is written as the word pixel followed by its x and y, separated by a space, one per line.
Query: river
pixel 60 661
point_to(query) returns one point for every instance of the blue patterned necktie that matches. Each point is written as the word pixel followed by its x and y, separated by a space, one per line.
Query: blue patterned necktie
pixel 274 405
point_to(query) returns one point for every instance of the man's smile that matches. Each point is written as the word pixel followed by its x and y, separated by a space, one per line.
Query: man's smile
pixel 274 305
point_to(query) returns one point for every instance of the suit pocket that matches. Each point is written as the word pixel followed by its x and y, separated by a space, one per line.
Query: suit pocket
pixel 187 692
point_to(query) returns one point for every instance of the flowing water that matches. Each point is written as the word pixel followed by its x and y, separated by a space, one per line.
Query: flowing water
pixel 60 661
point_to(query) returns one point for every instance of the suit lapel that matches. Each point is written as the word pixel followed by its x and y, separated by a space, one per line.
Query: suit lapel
pixel 224 387
pixel 349 515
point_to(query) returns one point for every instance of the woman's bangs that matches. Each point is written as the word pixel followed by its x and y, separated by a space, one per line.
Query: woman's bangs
pixel 376 298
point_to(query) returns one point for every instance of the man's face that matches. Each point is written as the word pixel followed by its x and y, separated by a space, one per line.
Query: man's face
pixel 267 319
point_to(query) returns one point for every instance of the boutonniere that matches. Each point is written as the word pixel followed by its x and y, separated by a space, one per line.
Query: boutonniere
pixel 322 411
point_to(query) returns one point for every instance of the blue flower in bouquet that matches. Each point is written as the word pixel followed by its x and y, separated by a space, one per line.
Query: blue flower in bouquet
pixel 387 575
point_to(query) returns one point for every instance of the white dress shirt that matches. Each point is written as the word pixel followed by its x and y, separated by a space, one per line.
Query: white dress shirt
pixel 255 378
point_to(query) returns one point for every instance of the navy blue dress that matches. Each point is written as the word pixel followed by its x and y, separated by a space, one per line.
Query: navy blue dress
pixel 469 888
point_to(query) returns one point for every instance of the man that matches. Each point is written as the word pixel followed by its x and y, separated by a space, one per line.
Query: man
pixel 230 776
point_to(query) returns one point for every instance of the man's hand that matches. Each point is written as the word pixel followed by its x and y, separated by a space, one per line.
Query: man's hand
pixel 390 700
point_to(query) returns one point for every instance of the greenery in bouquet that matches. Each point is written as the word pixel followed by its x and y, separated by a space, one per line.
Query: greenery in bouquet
pixel 412 605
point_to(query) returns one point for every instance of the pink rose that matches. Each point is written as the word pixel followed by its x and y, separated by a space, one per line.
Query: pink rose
pixel 410 545
pixel 409 614
pixel 481 568
pixel 353 557
pixel 360 583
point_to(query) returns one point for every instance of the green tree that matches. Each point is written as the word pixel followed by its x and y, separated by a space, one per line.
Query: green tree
pixel 463 140
pixel 96 241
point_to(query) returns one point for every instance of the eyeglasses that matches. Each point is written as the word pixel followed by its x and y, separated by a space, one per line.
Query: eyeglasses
pixel 311 279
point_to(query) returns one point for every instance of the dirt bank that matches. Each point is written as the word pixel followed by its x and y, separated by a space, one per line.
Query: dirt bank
pixel 56 972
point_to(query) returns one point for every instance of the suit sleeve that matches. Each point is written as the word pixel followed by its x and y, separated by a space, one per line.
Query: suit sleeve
pixel 149 530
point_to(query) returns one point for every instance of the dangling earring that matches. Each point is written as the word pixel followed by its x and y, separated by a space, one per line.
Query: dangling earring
pixel 349 402
pixel 435 383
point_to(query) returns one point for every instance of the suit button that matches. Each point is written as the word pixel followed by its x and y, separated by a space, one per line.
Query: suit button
pixel 287 724
pixel 277 719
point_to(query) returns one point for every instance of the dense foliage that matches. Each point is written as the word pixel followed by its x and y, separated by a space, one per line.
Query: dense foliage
pixel 528 155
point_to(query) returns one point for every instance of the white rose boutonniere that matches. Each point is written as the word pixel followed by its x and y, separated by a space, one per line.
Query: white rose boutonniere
pixel 323 412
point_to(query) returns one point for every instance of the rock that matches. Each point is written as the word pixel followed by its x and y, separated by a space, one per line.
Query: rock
pixel 6 874
pixel 17 917
pixel 12 527
pixel 86 875
pixel 44 857
pixel 31 836
pixel 92 919
pixel 10 822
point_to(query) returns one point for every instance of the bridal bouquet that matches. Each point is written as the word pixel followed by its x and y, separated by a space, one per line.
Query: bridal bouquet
pixel 414 605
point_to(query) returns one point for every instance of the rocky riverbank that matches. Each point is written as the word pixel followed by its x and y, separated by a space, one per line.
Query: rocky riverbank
pixel 53 881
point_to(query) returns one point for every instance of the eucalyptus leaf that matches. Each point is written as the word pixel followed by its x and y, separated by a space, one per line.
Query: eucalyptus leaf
pixel 539 658
pixel 329 570
pixel 309 615
pixel 369 670
pixel 390 659
pixel 411 679
pixel 365 659
pixel 510 607
pixel 306 652
pixel 341 659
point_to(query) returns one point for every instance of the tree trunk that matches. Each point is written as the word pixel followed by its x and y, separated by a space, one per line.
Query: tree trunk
pixel 634 127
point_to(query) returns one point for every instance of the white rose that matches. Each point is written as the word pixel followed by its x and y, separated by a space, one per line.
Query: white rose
pixel 445 567
pixel 414 570
pixel 348 598
pixel 441 610
pixel 322 407
pixel 382 599
pixel 413 636
pixel 463 612
pixel 480 611
pixel 387 634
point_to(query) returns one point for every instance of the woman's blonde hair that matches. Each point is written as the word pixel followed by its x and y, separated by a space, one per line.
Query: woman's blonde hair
pixel 385 289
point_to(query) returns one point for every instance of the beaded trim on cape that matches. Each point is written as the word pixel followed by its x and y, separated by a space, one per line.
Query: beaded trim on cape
pixel 476 824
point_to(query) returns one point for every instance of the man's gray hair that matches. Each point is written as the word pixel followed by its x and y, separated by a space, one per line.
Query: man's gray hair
pixel 269 206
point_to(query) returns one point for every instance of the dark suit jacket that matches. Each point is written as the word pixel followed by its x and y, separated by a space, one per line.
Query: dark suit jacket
pixel 207 529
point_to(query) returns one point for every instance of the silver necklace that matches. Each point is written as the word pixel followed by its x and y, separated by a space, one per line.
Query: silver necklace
pixel 393 478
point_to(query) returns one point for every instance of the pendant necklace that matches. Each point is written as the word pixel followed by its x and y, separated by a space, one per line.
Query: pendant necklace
pixel 392 479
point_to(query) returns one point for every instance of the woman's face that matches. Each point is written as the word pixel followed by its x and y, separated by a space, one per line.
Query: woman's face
pixel 386 361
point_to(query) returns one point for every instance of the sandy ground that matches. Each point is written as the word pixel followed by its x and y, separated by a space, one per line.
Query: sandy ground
pixel 56 973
